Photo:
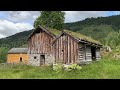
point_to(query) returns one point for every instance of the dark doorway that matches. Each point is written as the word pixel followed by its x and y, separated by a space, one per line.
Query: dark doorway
pixel 20 59
pixel 93 52
pixel 42 59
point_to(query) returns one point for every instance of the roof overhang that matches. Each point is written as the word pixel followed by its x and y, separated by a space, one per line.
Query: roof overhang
pixel 16 53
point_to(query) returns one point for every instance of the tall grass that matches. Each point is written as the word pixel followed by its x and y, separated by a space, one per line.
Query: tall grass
pixel 103 69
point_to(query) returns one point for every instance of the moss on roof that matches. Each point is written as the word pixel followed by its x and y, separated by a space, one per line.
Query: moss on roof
pixel 80 36
pixel 74 34
pixel 54 31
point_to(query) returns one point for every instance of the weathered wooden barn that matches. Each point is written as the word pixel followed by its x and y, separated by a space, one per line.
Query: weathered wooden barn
pixel 47 46
pixel 71 47
pixel 17 55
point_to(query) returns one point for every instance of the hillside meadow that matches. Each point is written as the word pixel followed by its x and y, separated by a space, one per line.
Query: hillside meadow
pixel 103 69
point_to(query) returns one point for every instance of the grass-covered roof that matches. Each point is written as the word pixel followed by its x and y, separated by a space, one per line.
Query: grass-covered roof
pixel 81 36
pixel 74 34
pixel 54 31
pixel 77 35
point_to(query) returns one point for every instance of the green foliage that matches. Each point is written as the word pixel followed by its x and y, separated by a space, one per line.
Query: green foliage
pixel 113 39
pixel 58 67
pixel 114 54
pixel 3 54
pixel 51 19
pixel 74 67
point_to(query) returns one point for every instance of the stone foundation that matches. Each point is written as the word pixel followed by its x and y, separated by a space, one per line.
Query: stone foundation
pixel 34 59
pixel 82 62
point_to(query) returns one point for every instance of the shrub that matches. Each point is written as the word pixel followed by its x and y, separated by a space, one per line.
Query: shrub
pixel 74 67
pixel 58 67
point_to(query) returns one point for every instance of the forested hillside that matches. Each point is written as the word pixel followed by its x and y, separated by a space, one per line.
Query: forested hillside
pixel 114 21
pixel 17 40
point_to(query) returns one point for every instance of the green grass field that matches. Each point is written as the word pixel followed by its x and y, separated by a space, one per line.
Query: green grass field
pixel 103 69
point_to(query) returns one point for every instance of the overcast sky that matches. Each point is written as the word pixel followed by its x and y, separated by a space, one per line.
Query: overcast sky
pixel 12 22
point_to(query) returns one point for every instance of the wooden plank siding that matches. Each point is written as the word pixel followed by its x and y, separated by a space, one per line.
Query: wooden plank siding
pixel 81 52
pixel 15 58
pixel 85 52
pixel 40 43
pixel 98 56
pixel 88 53
pixel 66 50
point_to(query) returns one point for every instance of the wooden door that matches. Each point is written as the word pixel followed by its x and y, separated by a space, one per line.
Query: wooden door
pixel 93 52
pixel 42 59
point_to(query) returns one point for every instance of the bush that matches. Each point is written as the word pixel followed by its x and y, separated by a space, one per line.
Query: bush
pixel 3 54
pixel 74 67
pixel 58 67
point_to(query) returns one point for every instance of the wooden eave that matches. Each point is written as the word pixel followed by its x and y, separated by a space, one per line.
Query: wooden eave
pixel 16 53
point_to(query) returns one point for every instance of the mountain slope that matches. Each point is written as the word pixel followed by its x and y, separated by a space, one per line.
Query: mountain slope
pixel 17 40
pixel 114 21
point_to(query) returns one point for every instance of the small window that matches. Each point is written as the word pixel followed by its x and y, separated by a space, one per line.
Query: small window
pixel 20 59
pixel 35 57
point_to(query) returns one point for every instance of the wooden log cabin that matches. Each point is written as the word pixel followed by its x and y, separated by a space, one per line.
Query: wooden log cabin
pixel 47 46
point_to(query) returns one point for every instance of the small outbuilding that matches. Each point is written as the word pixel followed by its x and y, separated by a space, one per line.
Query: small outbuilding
pixel 17 55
